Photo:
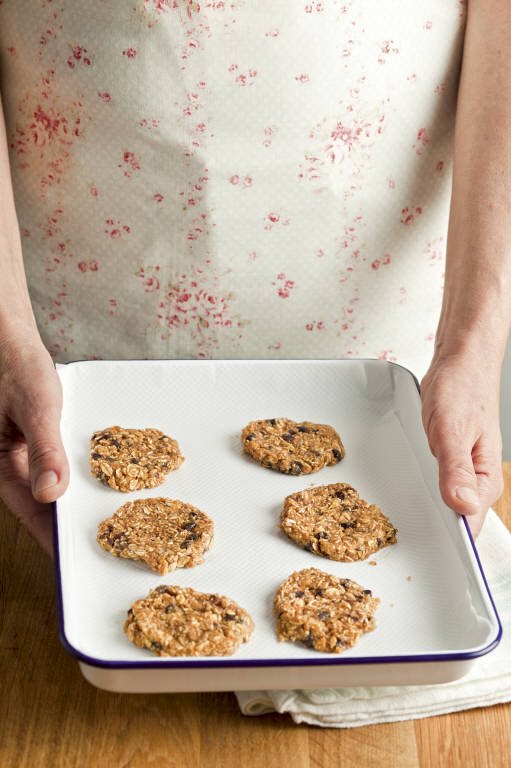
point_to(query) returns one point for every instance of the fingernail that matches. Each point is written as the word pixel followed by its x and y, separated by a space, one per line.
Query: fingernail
pixel 46 480
pixel 468 495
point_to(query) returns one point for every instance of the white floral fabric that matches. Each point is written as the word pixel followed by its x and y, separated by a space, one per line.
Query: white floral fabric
pixel 233 178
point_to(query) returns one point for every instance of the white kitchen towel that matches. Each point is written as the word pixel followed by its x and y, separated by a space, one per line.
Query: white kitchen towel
pixel 489 682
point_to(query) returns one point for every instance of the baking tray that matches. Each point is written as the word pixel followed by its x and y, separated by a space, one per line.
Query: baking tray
pixel 436 614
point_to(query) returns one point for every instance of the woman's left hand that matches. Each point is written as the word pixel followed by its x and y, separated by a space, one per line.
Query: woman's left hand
pixel 460 413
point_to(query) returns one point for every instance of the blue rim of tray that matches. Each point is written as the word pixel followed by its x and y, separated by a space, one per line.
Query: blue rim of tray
pixel 233 663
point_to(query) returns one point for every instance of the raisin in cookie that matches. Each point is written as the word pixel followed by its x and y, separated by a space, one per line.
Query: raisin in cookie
pixel 131 459
pixel 332 520
pixel 178 621
pixel 322 611
pixel 163 533
pixel 291 447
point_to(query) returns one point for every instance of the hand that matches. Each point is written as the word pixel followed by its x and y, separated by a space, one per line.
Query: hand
pixel 33 465
pixel 460 413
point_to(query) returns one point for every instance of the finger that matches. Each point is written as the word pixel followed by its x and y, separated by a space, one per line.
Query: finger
pixel 475 522
pixel 487 459
pixel 457 477
pixel 48 466
pixel 490 483
pixel 467 489
pixel 15 491
pixel 35 517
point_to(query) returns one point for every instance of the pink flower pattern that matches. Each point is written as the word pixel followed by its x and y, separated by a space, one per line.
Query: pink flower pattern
pixel 179 165
pixel 192 302
pixel 46 129
pixel 284 285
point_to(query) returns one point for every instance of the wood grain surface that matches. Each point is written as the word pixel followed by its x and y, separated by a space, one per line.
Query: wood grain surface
pixel 50 716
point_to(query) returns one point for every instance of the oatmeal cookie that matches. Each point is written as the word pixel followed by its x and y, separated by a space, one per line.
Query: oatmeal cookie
pixel 164 533
pixel 178 621
pixel 322 611
pixel 131 459
pixel 332 520
pixel 291 447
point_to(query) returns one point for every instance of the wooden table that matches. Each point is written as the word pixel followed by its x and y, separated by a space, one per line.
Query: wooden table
pixel 49 715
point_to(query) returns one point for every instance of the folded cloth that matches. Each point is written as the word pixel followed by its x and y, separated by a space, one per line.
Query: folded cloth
pixel 487 683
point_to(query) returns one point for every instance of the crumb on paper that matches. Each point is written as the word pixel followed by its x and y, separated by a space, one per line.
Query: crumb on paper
pixel 372 562
pixel 408 578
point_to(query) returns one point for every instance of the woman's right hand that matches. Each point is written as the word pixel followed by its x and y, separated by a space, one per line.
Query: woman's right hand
pixel 33 465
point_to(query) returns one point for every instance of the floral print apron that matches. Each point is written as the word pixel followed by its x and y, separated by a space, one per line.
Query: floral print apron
pixel 233 179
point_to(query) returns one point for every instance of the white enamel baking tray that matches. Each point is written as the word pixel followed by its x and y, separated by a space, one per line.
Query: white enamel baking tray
pixel 436 615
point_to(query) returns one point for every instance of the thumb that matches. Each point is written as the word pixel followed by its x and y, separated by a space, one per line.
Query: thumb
pixel 458 480
pixel 48 466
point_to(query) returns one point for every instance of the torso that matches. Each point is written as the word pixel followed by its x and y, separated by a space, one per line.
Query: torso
pixel 233 179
